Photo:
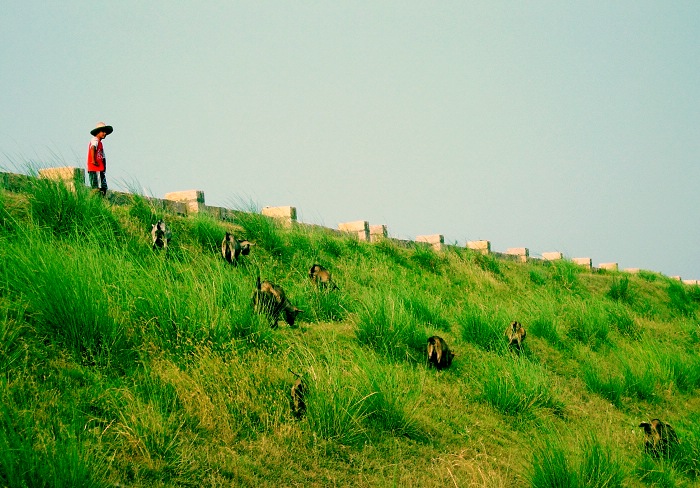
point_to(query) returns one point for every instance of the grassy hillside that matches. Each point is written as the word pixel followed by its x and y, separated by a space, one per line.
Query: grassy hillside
pixel 123 366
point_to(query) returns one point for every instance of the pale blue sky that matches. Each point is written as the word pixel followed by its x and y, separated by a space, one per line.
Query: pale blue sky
pixel 552 125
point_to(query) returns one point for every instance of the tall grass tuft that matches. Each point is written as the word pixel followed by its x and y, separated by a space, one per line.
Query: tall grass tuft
pixel 393 396
pixel 391 251
pixel 336 402
pixel 11 335
pixel 537 276
pixel 8 223
pixel 682 302
pixel 603 381
pixel 598 466
pixel 546 328
pixel 326 305
pixel 328 244
pixel 208 233
pixel 686 455
pixel 642 377
pixel 426 258
pixel 519 388
pixel 264 231
pixel 588 322
pixel 483 329
pixel 546 320
pixel 166 303
pixel 620 290
pixel 26 460
pixel 249 330
pixel 649 276
pixel 358 397
pixel 550 467
pixel 69 213
pixel 620 318
pixel 659 474
pixel 565 274
pixel 385 324
pixel 144 211
pixel 150 428
pixel 487 262
pixel 68 298
pixel 682 368
pixel 428 310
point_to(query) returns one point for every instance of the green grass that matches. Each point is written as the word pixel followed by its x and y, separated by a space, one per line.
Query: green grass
pixel 604 381
pixel 599 467
pixel 125 366
pixel 385 324
pixel 550 466
pixel 519 389
pixel 587 463
pixel 483 326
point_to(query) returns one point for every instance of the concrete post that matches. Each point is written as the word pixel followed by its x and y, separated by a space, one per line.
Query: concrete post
pixel 377 232
pixel 68 174
pixel 483 247
pixel 586 262
pixel 521 253
pixel 194 199
pixel 285 215
pixel 437 241
pixel 552 256
pixel 360 228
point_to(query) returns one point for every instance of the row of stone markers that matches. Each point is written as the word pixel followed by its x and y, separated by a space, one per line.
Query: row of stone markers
pixel 192 202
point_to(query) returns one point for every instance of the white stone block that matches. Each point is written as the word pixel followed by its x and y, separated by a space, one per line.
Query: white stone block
pixel 484 247
pixel 286 215
pixel 437 241
pixel 68 174
pixel 377 232
pixel 355 226
pixel 552 256
pixel 194 199
pixel 431 239
pixel 609 266
pixel 522 253
pixel 360 228
pixel 587 262
pixel 186 196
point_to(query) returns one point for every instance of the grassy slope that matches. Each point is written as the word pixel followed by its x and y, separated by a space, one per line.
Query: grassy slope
pixel 124 366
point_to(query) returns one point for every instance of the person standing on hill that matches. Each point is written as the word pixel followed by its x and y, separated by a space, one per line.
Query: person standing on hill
pixel 96 161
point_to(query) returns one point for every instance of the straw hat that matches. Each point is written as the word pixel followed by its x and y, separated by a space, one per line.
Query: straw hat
pixel 100 128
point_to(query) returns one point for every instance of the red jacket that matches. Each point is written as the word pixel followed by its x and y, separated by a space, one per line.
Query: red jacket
pixel 96 159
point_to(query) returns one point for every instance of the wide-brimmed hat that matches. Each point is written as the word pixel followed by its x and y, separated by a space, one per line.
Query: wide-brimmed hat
pixel 101 127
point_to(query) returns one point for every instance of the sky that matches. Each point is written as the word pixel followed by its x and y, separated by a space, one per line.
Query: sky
pixel 569 126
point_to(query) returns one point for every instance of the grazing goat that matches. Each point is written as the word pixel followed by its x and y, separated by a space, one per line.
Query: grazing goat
pixel 231 248
pixel 321 277
pixel 298 392
pixel 439 354
pixel 516 335
pixel 659 438
pixel 270 299
pixel 161 235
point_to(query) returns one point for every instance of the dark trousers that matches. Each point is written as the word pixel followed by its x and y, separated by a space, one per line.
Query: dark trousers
pixel 98 179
